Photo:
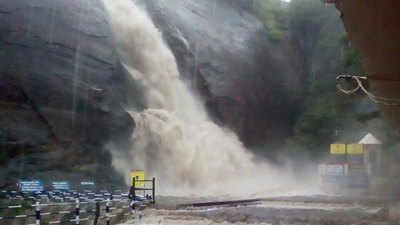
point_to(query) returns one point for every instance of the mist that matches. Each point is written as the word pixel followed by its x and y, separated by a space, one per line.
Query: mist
pixel 174 139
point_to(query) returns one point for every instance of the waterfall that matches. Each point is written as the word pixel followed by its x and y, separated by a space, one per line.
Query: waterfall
pixel 174 138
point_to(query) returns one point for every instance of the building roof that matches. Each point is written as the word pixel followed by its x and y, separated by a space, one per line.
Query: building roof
pixel 370 139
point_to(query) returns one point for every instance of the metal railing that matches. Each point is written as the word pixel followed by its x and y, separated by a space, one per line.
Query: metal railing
pixel 144 189
pixel 74 207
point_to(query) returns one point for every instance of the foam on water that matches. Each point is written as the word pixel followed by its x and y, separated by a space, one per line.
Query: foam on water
pixel 174 139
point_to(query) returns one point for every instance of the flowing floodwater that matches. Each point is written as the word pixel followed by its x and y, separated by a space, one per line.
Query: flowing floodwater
pixel 272 213
pixel 174 138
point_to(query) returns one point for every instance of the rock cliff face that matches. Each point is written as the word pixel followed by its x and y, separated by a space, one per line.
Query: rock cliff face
pixel 61 88
pixel 249 82
pixel 374 29
pixel 63 92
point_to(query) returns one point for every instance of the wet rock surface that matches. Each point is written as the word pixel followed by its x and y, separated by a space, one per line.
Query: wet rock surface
pixel 63 91
pixel 61 88
pixel 225 53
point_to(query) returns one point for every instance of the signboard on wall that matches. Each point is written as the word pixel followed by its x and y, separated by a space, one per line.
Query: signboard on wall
pixel 32 185
pixel 139 177
pixel 88 184
pixel 356 161
pixel 334 170
pixel 60 185
pixel 354 149
pixel 338 149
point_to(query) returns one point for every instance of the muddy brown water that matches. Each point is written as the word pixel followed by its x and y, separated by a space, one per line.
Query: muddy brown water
pixel 296 210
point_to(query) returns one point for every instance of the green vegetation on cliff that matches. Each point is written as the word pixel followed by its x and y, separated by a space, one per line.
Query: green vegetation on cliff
pixel 328 115
pixel 316 34
pixel 274 15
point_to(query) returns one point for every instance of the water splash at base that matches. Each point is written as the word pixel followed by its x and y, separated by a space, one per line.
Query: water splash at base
pixel 174 138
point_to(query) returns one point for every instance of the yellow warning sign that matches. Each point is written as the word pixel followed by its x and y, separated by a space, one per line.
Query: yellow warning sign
pixel 354 149
pixel 338 149
pixel 139 177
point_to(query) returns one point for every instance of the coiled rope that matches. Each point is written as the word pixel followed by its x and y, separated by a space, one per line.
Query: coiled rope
pixel 359 80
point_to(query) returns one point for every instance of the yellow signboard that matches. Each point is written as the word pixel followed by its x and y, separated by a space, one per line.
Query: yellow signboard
pixel 354 149
pixel 139 177
pixel 338 149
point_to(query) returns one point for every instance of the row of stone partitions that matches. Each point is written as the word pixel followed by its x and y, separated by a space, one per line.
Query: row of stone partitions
pixel 69 207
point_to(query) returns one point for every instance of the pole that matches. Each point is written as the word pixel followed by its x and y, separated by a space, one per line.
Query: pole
pixel 154 190
pixel 108 211
pixel 37 213
pixel 77 210
pixel 134 190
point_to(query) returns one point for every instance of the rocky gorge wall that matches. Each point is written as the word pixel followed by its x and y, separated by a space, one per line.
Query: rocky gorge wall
pixel 60 88
pixel 63 93
pixel 250 83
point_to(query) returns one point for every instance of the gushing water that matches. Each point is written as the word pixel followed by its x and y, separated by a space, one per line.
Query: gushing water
pixel 77 67
pixel 75 82
pixel 174 139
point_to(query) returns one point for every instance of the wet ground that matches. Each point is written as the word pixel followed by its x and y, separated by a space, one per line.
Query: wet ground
pixel 296 210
